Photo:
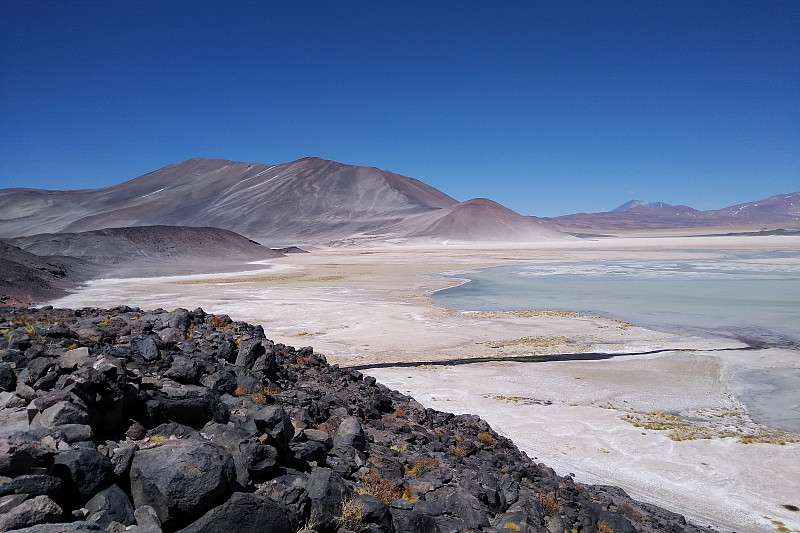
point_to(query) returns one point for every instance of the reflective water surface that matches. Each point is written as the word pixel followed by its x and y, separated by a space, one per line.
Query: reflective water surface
pixel 751 297
pixel 743 296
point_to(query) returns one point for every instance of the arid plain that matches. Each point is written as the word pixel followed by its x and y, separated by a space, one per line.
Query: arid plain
pixel 362 306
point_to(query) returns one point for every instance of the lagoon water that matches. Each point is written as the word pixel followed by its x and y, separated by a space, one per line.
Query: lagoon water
pixel 754 298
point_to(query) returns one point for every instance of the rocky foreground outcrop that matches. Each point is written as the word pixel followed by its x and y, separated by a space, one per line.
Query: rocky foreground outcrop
pixel 124 420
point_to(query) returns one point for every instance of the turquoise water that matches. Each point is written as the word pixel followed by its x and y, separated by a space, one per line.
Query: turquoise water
pixel 746 297
pixel 752 298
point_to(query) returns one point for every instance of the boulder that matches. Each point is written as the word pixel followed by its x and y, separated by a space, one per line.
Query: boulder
pixel 254 460
pixel 83 471
pixel 463 504
pixel 245 512
pixel 10 501
pixel 18 456
pixel 272 420
pixel 72 359
pixel 32 485
pixel 8 378
pixel 40 366
pixel 110 505
pixel 192 405
pixel 221 382
pixel 327 490
pixel 38 510
pixel 181 479
pixel 146 347
pixel 375 511
pixel 122 457
pixel 184 370
pixel 411 521
pixel 249 351
pixel 147 520
pixel 63 413
pixel 172 336
pixel 350 433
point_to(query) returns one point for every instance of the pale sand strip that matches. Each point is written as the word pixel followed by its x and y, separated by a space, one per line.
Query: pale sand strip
pixel 360 306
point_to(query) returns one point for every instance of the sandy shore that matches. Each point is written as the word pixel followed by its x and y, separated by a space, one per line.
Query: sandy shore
pixel 361 306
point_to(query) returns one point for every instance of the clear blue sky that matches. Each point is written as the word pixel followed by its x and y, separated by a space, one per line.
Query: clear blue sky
pixel 548 107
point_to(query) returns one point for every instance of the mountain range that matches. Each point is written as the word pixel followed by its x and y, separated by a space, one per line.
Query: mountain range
pixel 780 211
pixel 316 201
pixel 307 201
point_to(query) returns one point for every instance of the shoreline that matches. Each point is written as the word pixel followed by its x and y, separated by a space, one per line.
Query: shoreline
pixel 361 306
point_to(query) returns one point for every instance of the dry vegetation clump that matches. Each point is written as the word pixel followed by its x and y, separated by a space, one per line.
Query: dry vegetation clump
pixel 460 451
pixel 712 423
pixel 549 504
pixel 420 465
pixel 308 526
pixel 241 390
pixel 327 278
pixel 259 398
pixel 486 438
pixel 603 527
pixel 541 341
pixel 376 485
pixel 23 319
pixel 220 321
pixel 327 428
pixel 679 428
pixel 352 515
pixel 504 398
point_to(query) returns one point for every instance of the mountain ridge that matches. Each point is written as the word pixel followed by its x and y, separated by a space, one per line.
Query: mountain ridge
pixel 778 211
pixel 318 201
pixel 307 201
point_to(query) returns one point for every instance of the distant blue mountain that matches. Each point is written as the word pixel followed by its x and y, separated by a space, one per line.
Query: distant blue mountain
pixel 639 204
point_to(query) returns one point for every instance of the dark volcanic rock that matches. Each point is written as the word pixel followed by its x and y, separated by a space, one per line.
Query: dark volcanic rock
pixel 350 433
pixel 110 505
pixel 245 512
pixel 184 370
pixel 38 510
pixel 8 379
pixel 272 421
pixel 192 405
pixel 32 485
pixel 327 490
pixel 181 478
pixel 225 431
pixel 83 470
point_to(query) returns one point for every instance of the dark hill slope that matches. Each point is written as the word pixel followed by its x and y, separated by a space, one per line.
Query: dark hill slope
pixel 146 244
pixel 309 200
pixel 41 267
pixel 26 278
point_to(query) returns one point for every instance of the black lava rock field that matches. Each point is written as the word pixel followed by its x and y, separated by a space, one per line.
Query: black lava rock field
pixel 153 421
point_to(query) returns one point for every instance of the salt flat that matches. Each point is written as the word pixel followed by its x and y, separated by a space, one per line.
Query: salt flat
pixel 367 305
